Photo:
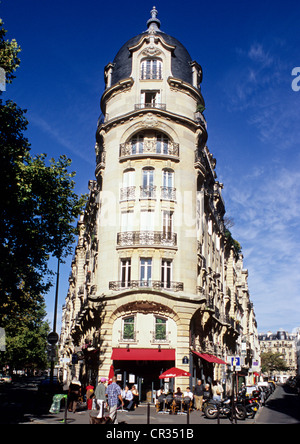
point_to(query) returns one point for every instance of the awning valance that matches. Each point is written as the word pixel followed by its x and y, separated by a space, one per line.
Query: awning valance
pixel 142 354
pixel 210 358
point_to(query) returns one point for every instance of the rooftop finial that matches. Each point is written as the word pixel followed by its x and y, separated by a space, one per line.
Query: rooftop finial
pixel 153 23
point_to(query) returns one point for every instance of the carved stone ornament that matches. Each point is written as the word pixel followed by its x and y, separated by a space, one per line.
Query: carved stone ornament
pixel 149 121
pixel 151 51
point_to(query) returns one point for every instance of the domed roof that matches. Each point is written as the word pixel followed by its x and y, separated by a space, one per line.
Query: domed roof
pixel 180 65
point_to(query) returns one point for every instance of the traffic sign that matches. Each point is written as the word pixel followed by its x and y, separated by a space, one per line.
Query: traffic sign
pixel 52 338
pixel 235 362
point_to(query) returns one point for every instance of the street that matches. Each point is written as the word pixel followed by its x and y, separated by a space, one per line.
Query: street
pixel 20 403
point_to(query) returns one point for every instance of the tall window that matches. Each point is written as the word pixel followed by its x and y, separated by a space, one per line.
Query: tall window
pixel 150 99
pixel 125 272
pixel 168 190
pixel 128 328
pixel 147 220
pixel 166 273
pixel 146 271
pixel 162 144
pixel 127 221
pixel 128 188
pixel 137 144
pixel 148 189
pixel 160 329
pixel 167 225
pixel 151 69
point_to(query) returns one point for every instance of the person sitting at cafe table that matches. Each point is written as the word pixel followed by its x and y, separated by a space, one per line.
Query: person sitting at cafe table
pixel 127 398
pixel 178 397
pixel 160 396
pixel 187 398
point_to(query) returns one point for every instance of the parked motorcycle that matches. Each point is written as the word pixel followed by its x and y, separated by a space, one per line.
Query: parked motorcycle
pixel 223 408
pixel 250 403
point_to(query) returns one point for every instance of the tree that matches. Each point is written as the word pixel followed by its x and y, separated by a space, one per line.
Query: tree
pixel 271 362
pixel 38 212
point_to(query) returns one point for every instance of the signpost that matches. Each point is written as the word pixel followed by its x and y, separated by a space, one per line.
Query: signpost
pixel 235 362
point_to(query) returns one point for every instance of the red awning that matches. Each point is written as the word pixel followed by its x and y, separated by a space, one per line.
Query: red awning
pixel 142 354
pixel 210 358
pixel 173 373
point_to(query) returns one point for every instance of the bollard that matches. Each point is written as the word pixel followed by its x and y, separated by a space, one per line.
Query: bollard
pixel 148 413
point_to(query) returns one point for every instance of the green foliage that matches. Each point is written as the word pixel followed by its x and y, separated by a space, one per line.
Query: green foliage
pixel 9 51
pixel 232 244
pixel 271 362
pixel 39 209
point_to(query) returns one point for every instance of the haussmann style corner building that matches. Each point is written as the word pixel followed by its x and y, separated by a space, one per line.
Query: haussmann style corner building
pixel 155 282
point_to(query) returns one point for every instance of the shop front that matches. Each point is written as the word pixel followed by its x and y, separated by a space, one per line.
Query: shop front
pixel 141 367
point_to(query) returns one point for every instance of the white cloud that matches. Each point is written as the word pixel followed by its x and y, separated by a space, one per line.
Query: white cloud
pixel 267 224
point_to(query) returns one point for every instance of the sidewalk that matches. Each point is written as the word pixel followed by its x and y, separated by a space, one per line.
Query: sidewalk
pixel 139 416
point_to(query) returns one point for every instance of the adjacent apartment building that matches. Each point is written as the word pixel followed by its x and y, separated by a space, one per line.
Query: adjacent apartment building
pixel 284 344
pixel 157 280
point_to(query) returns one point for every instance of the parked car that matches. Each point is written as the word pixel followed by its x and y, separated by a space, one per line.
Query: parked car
pixel 45 386
pixel 4 379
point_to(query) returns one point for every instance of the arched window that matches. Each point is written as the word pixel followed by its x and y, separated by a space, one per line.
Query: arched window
pixel 151 69
pixel 137 144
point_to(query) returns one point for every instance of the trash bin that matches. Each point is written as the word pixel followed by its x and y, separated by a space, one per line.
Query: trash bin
pixel 56 401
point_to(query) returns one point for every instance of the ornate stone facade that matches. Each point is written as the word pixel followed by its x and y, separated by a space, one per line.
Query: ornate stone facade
pixel 151 270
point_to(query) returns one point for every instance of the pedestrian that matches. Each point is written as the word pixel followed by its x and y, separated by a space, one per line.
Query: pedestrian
pixel 73 395
pixel 206 393
pixel 220 389
pixel 127 398
pixel 113 392
pixel 89 396
pixel 135 393
pixel 101 396
pixel 216 392
pixel 198 395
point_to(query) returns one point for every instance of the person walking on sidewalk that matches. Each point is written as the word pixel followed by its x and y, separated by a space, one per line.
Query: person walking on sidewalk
pixel 101 397
pixel 198 395
pixel 114 393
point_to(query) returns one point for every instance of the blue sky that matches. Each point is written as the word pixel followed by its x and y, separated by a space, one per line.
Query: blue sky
pixel 247 50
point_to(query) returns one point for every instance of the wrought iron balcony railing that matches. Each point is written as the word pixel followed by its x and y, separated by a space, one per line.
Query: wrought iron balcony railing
pixel 149 147
pixel 155 285
pixel 168 193
pixel 148 238
pixel 127 193
pixel 148 192
pixel 150 105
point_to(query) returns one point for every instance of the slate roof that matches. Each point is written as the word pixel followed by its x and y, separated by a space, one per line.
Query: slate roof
pixel 180 64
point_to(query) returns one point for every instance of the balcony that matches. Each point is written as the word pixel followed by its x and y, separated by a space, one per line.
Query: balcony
pixel 155 105
pixel 149 148
pixel 150 284
pixel 168 193
pixel 148 192
pixel 159 239
pixel 127 193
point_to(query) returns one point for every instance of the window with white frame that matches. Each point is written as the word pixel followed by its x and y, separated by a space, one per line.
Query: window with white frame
pixel 150 99
pixel 167 189
pixel 167 224
pixel 148 189
pixel 160 329
pixel 137 144
pixel 125 272
pixel 147 220
pixel 162 144
pixel 151 69
pixel 166 273
pixel 128 328
pixel 126 221
pixel 145 271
